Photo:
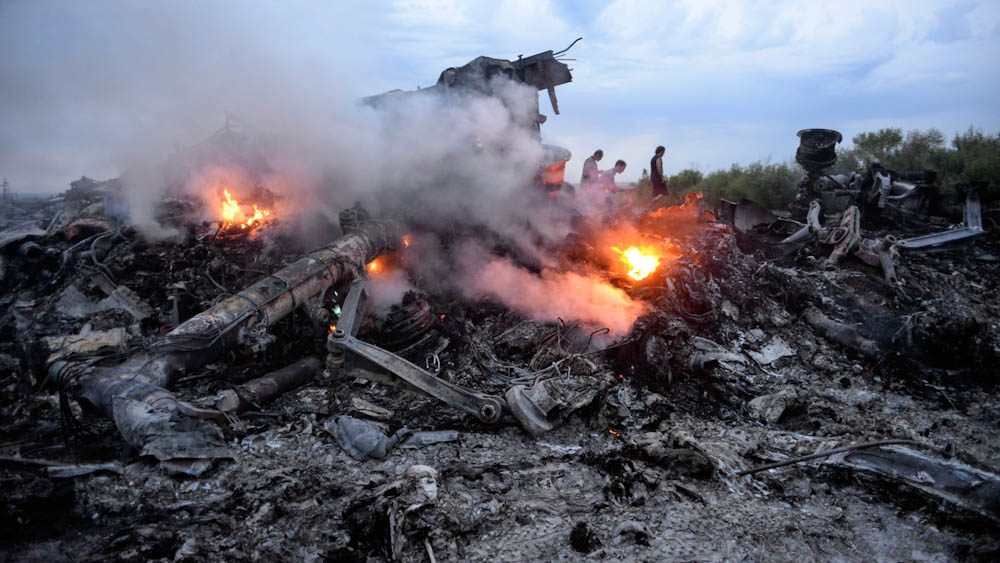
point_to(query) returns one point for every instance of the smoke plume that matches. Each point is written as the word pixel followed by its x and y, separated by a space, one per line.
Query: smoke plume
pixel 450 164
pixel 551 295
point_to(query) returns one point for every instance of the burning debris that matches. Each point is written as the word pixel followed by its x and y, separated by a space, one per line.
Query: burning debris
pixel 234 218
pixel 512 387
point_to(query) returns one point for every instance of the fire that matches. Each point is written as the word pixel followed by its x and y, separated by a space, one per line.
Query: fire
pixel 406 241
pixel 230 208
pixel 232 213
pixel 373 266
pixel 641 262
pixel 258 217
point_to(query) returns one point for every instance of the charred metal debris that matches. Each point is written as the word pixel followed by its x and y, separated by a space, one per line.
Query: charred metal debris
pixel 233 394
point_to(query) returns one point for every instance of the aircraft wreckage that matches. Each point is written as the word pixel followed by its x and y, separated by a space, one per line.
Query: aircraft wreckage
pixel 724 383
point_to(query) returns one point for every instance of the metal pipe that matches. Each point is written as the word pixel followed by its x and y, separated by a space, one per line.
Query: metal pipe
pixel 267 388
pixel 842 334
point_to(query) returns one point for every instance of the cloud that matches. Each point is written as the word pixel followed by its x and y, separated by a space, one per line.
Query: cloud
pixel 732 81
pixel 88 82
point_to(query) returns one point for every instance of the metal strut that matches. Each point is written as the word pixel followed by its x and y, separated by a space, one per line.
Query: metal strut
pixel 362 359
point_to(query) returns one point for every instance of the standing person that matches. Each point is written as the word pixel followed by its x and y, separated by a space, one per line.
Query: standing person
pixel 656 173
pixel 590 172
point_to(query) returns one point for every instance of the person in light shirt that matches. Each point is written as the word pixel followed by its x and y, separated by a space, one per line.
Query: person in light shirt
pixel 606 179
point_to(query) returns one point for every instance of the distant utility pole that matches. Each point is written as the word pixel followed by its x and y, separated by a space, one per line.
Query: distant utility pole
pixel 7 194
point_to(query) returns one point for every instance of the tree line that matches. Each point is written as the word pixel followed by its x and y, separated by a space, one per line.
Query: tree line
pixel 972 156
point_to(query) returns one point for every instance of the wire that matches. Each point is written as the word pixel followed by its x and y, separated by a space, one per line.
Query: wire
pixel 567 48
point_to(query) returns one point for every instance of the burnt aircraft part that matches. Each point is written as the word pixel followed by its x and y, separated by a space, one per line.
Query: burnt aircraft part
pixel 544 72
pixel 948 481
pixel 880 252
pixel 141 380
pixel 552 168
pixel 532 407
pixel 817 148
pixel 409 328
pixel 268 387
pixel 748 214
pixel 20 234
pixel 32 252
pixel 947 240
pixel 810 229
pixel 363 440
pixel 365 360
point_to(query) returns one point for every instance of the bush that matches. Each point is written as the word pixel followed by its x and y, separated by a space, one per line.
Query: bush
pixel 644 187
pixel 771 185
pixel 972 157
pixel 684 181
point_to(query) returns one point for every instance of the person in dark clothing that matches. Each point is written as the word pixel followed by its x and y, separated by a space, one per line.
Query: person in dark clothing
pixel 590 172
pixel 656 173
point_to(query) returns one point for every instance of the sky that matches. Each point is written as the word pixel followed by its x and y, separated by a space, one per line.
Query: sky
pixel 89 87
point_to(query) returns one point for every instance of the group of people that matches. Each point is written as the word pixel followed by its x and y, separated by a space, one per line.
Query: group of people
pixel 603 181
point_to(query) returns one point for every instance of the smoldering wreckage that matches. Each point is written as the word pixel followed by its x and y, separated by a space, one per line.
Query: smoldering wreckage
pixel 668 382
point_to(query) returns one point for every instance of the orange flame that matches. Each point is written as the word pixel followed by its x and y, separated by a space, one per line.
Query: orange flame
pixel 258 217
pixel 373 266
pixel 232 213
pixel 230 208
pixel 641 262
pixel 406 241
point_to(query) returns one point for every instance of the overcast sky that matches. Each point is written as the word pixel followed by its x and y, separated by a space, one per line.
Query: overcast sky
pixel 88 85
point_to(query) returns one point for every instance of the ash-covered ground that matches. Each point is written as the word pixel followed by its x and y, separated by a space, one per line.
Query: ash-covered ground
pixel 720 373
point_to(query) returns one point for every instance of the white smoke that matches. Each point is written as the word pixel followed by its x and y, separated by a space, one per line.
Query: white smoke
pixel 446 163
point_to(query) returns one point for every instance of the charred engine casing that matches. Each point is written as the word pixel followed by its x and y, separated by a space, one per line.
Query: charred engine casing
pixel 817 149
pixel 872 190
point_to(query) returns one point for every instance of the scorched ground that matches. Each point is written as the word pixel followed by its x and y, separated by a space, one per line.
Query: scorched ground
pixel 718 369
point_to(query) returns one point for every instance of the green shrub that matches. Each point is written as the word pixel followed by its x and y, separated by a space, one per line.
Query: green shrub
pixel 644 187
pixel 972 156
pixel 684 181
pixel 771 185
